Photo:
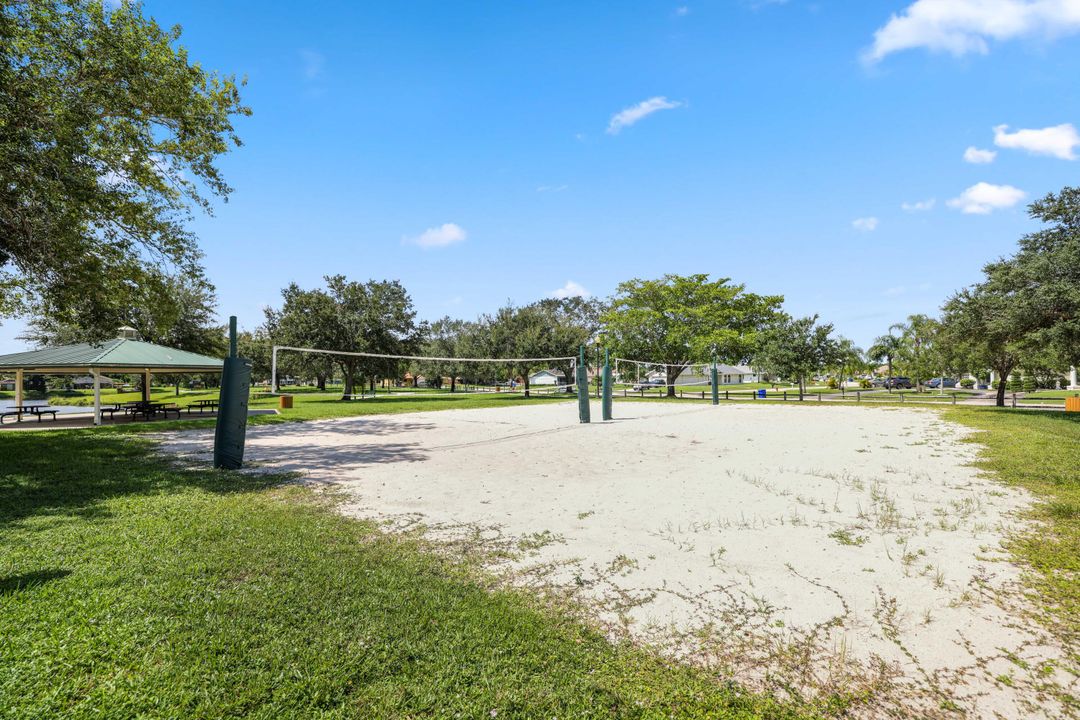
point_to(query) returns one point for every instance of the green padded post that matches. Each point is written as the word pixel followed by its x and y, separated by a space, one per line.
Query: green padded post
pixel 231 427
pixel 605 403
pixel 715 384
pixel 582 388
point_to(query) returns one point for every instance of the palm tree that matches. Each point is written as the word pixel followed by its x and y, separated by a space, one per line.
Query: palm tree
pixel 885 347
pixel 916 341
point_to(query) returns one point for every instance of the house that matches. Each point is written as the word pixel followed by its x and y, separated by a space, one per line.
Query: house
pixel 548 377
pixel 725 375
pixel 86 382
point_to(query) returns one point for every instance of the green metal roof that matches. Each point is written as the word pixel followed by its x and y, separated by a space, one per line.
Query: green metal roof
pixel 119 353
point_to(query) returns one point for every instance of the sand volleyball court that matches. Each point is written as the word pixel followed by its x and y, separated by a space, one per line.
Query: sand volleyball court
pixel 799 549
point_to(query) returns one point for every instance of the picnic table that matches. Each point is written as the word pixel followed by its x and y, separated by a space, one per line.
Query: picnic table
pixel 19 410
pixel 201 405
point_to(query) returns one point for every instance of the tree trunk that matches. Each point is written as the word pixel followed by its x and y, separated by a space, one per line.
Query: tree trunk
pixel 672 374
pixel 525 377
pixel 889 363
pixel 453 381
pixel 320 382
pixel 347 369
pixel 802 387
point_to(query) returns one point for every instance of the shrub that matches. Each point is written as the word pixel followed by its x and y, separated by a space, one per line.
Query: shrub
pixel 967 383
pixel 832 384
pixel 1027 383
pixel 865 384
pixel 1013 384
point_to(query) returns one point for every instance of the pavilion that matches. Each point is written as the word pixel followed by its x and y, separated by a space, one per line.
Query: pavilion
pixel 121 355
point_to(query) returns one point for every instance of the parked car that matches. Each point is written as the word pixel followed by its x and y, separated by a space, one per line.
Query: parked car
pixel 649 384
pixel 898 383
pixel 935 383
pixel 878 382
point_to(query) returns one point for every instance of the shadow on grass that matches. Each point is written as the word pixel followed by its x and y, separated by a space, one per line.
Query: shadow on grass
pixel 12 584
pixel 72 472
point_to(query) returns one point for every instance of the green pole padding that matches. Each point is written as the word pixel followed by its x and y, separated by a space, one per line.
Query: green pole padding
pixel 582 388
pixel 231 429
pixel 605 403
pixel 715 385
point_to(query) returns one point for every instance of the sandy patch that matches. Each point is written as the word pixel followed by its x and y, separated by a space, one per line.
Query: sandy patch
pixel 810 547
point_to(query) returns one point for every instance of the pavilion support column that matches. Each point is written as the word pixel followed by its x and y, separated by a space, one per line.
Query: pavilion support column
pixel 146 385
pixel 97 396
pixel 19 389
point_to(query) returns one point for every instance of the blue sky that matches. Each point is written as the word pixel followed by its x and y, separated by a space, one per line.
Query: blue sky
pixel 776 143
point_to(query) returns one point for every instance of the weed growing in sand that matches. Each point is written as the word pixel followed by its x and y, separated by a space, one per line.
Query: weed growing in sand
pixel 846 537
pixel 537 540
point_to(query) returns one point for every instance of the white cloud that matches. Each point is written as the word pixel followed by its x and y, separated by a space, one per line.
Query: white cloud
pixel 975 156
pixel 570 289
pixel 918 205
pixel 447 234
pixel 682 10
pixel 629 116
pixel 894 291
pixel 983 198
pixel 1060 141
pixel 866 224
pixel 312 63
pixel 960 27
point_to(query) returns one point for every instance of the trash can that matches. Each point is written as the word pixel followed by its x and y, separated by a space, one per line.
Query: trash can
pixel 761 393
pixel 285 402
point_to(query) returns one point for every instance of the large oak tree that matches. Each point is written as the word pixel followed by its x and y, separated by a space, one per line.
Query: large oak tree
pixel 109 134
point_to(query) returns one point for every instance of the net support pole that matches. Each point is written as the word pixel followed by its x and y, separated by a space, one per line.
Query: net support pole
pixel 713 377
pixel 582 387
pixel 273 370
pixel 605 402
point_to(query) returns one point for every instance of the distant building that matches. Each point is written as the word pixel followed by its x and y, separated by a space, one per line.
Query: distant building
pixel 86 382
pixel 548 377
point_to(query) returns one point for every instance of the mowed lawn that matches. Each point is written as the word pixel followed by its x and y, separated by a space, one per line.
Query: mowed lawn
pixel 131 588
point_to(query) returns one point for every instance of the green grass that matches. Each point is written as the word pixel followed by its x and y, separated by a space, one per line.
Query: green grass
pixel 1040 451
pixel 132 589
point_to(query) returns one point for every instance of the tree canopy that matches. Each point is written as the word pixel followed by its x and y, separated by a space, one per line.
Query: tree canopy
pixel 109 134
pixel 349 316
pixel 797 349
pixel 678 320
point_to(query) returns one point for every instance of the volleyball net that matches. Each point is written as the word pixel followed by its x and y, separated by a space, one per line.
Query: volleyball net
pixel 434 374
pixel 642 375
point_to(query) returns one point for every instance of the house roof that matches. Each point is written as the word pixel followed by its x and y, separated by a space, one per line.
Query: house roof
pixel 550 371
pixel 116 355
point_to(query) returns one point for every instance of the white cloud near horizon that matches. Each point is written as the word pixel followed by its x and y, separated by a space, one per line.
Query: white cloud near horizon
pixel 960 27
pixel 976 156
pixel 628 116
pixel 918 205
pixel 442 236
pixel 1059 141
pixel 569 290
pixel 983 198
pixel 865 224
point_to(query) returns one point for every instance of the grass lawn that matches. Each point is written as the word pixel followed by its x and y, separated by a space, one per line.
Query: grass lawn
pixel 1040 451
pixel 132 589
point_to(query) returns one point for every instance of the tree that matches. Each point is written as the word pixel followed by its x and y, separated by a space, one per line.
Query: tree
pixel 849 358
pixel 109 135
pixel 444 338
pixel 981 328
pixel 372 317
pixel 886 347
pixel 916 346
pixel 797 349
pixel 1042 280
pixel 678 320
